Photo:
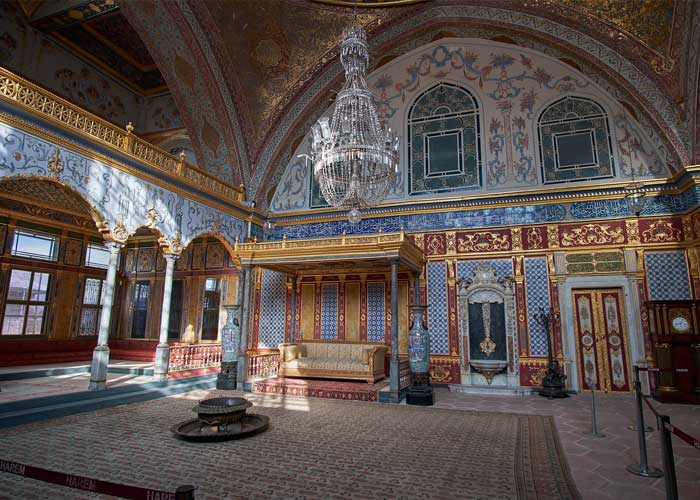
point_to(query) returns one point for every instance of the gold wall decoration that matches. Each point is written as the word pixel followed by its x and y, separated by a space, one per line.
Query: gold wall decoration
pixel 451 238
pixel 483 242
pixel 553 236
pixel 632 227
pixel 534 238
pixel 55 163
pixel 661 231
pixel 152 216
pixel 592 234
pixel 516 237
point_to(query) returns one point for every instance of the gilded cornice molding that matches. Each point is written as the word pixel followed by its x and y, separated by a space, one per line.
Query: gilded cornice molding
pixel 43 104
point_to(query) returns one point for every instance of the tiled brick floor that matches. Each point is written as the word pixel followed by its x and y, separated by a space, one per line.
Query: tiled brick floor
pixel 598 464
pixel 132 454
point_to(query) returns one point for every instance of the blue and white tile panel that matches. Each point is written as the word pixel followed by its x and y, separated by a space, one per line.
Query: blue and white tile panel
pixel 437 310
pixel 537 295
pixel 375 312
pixel 667 275
pixel 329 311
pixel 503 267
pixel 273 309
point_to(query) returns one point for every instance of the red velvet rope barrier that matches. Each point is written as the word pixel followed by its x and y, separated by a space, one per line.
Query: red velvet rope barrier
pixel 695 443
pixel 683 436
pixel 86 483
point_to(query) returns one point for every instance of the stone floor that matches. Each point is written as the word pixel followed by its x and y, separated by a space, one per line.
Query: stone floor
pixel 29 388
pixel 597 464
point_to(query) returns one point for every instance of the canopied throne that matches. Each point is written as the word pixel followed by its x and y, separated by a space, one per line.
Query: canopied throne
pixel 487 329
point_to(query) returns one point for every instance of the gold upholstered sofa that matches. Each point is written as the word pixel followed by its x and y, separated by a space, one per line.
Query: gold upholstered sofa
pixel 332 360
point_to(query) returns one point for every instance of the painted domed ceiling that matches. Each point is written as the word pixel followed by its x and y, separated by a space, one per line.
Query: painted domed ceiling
pixel 250 76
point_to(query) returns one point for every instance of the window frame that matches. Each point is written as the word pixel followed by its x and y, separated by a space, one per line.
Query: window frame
pixel 27 303
pixel 97 306
pixel 87 253
pixel 211 310
pixel 20 231
pixel 146 308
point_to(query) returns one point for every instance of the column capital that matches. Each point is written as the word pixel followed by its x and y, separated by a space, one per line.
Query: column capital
pixel 114 246
pixel 171 257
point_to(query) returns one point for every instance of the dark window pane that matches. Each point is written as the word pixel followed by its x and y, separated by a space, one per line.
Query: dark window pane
pixel 575 149
pixel 88 322
pixel 175 311
pixel 138 326
pixel 210 326
pixel 443 154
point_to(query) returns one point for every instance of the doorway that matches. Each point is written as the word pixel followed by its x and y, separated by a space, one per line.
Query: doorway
pixel 602 343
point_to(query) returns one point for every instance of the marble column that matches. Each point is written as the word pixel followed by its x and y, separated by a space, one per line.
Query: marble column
pixel 163 350
pixel 293 307
pixel 394 365
pixel 100 356
pixel 243 344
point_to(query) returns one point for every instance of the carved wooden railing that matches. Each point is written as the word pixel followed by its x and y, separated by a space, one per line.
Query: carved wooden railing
pixel 189 357
pixel 44 103
pixel 263 365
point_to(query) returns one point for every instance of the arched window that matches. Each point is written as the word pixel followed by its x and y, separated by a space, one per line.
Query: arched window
pixel 575 144
pixel 443 141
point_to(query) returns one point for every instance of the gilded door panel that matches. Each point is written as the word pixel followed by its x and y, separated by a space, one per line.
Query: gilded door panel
pixel 601 339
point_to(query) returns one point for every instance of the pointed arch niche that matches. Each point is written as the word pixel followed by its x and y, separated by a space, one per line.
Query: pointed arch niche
pixel 444 141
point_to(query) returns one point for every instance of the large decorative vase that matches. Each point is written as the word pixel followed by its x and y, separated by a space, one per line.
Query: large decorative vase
pixel 230 340
pixel 420 392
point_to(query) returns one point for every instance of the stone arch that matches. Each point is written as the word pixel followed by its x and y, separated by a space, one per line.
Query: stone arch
pixel 230 247
pixel 69 197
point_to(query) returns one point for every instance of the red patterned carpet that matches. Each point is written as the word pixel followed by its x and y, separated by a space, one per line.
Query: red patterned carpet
pixel 321 388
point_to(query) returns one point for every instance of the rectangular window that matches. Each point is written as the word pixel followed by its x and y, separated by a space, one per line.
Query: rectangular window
pixel 34 245
pixel 27 303
pixel 212 299
pixel 97 256
pixel 443 153
pixel 575 149
pixel 142 292
pixel 93 294
pixel 175 311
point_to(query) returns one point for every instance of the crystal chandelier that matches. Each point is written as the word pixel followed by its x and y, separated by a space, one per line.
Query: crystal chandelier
pixel 355 159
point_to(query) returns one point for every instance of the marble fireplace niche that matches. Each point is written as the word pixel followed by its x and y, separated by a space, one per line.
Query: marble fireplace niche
pixel 487 327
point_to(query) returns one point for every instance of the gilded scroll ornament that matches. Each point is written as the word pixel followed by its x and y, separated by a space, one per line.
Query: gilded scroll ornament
pixel 553 236
pixel 517 237
pixel 534 238
pixel 483 242
pixel 632 231
pixel 152 217
pixel 661 232
pixel 55 163
pixel 592 234
pixel 488 346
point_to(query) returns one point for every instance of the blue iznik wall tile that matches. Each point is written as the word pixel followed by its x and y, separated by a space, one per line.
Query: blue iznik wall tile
pixel 667 274
pixel 273 305
pixel 329 311
pixel 537 295
pixel 437 310
pixel 375 312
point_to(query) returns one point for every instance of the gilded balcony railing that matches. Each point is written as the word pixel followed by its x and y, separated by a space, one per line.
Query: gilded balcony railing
pixel 45 104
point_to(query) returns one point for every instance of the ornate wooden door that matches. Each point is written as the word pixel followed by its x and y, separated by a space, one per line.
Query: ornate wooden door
pixel 602 347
